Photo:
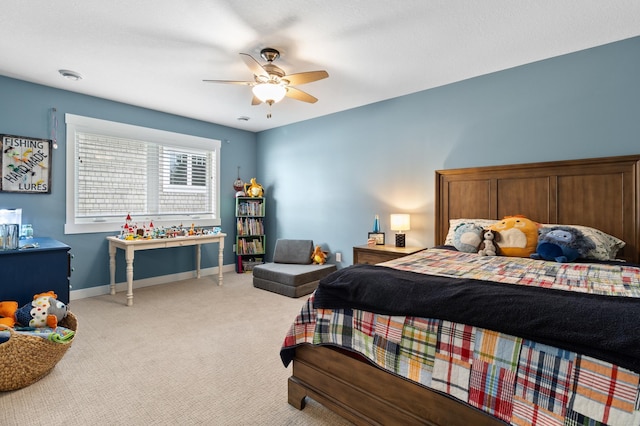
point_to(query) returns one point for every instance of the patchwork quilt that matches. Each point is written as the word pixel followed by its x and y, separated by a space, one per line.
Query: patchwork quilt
pixel 518 380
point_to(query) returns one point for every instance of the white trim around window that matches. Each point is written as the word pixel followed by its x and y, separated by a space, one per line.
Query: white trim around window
pixel 123 169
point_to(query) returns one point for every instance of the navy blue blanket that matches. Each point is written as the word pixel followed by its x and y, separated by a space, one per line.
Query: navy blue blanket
pixel 604 327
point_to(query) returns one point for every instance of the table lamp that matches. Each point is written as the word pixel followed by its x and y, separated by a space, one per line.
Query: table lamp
pixel 399 223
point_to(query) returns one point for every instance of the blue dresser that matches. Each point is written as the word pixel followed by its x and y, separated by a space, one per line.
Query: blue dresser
pixel 26 272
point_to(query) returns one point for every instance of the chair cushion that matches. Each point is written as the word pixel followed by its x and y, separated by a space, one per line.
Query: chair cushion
pixel 293 251
pixel 292 274
pixel 285 290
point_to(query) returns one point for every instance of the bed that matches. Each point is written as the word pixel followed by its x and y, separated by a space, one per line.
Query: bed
pixel 459 362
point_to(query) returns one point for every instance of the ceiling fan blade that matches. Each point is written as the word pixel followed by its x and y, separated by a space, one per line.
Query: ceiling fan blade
pixel 305 77
pixel 299 95
pixel 244 83
pixel 254 65
pixel 255 100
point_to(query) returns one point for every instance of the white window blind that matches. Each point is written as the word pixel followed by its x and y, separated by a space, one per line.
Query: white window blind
pixel 116 169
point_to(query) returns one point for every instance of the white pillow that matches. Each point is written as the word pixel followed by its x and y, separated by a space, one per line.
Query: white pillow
pixel 454 223
pixel 607 246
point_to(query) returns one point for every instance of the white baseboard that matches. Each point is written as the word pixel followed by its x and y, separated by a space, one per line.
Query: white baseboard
pixel 146 282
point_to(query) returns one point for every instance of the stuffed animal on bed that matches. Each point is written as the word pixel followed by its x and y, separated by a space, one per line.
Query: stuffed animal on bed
pixel 488 246
pixel 467 237
pixel 562 244
pixel 44 311
pixel 319 257
pixel 518 236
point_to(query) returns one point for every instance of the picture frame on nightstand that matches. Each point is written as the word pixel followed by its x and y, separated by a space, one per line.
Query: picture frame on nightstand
pixel 378 237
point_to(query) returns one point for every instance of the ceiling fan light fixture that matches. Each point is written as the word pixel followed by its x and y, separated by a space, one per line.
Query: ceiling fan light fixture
pixel 269 92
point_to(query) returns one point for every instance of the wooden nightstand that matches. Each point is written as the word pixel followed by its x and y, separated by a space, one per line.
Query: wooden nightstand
pixel 382 253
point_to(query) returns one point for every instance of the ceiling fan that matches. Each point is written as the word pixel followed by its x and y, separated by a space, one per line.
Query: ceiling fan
pixel 271 84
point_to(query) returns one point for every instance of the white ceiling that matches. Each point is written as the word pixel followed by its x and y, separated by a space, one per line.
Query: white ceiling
pixel 155 53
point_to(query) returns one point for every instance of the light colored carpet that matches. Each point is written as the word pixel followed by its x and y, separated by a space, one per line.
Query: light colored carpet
pixel 186 353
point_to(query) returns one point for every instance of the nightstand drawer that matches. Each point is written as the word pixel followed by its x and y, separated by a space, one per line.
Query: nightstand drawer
pixel 371 255
pixel 373 258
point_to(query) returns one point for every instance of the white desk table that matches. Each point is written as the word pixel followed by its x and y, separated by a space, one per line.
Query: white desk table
pixel 131 246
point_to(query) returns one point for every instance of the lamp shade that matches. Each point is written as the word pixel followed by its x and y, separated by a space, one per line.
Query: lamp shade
pixel 400 222
pixel 269 92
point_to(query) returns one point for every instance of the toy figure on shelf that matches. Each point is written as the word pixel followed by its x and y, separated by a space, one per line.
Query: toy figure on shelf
pixel 254 189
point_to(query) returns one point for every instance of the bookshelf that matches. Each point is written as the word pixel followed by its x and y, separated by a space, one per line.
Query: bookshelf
pixel 250 237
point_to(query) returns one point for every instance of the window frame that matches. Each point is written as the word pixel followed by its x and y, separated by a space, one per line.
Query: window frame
pixel 76 123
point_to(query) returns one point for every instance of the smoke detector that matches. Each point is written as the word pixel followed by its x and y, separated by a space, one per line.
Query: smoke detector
pixel 70 75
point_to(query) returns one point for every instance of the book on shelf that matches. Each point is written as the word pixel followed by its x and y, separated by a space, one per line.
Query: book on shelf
pixel 250 246
pixel 250 208
pixel 250 226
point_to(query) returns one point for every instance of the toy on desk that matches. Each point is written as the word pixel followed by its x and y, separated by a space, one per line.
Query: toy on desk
pixel 319 257
pixel 130 231
pixel 44 311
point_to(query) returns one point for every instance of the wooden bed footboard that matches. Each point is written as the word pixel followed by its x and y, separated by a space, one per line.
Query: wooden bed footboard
pixel 366 395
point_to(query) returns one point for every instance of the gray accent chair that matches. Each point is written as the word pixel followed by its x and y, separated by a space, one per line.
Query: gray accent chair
pixel 291 273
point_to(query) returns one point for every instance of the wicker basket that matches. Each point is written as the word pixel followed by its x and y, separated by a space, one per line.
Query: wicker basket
pixel 26 359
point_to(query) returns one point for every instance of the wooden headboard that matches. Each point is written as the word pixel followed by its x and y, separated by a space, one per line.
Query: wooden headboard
pixel 602 193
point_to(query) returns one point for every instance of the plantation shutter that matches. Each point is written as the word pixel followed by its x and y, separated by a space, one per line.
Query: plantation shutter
pixel 164 179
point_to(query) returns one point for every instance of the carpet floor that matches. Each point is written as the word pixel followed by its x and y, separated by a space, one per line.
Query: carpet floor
pixel 186 353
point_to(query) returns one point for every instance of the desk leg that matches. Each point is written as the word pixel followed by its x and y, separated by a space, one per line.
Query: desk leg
pixel 198 261
pixel 112 268
pixel 129 253
pixel 220 259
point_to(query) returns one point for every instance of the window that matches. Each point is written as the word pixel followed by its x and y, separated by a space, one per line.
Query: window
pixel 115 169
pixel 185 171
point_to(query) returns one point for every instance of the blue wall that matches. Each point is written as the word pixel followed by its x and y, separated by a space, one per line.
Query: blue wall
pixel 25 110
pixel 326 178
pixel 330 176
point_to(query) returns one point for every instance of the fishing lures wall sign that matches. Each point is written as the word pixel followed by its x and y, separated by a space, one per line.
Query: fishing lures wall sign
pixel 26 164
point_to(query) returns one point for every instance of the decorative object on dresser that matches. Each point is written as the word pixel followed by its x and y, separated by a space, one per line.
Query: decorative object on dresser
pixel 380 253
pixel 376 238
pixel 376 224
pixel 598 193
pixel 250 237
pixel 400 223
